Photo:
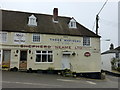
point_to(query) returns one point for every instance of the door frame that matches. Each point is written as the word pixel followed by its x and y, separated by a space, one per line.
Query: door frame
pixel 2 56
pixel 67 59
pixel 20 58
pixel 1 53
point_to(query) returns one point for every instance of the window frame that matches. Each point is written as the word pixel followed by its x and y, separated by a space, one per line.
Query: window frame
pixel 32 21
pixel 41 53
pixel 6 37
pixel 36 41
pixel 72 24
pixel 85 42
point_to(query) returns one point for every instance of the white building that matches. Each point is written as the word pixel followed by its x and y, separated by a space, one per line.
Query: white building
pixel 108 56
pixel 33 41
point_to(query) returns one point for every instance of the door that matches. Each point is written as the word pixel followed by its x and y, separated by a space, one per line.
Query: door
pixel 0 58
pixel 6 58
pixel 23 60
pixel 65 62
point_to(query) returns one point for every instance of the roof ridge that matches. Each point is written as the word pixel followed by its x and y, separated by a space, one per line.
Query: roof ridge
pixel 33 13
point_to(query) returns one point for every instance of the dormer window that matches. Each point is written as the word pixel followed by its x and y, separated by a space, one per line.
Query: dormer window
pixel 32 21
pixel 72 23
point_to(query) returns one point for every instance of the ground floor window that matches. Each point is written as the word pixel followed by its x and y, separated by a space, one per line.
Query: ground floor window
pixel 44 56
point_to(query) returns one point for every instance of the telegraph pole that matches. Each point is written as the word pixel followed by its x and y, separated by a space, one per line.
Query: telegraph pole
pixel 97 26
pixel 97 17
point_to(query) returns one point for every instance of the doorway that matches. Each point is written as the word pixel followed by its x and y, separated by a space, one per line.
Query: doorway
pixel 65 62
pixel 0 57
pixel 6 58
pixel 23 60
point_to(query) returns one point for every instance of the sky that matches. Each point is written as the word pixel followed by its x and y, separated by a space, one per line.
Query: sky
pixel 83 11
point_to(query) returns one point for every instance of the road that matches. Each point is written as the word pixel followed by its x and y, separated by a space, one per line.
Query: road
pixel 37 80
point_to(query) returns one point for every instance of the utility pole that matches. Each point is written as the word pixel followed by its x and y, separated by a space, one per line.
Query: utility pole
pixel 97 26
pixel 97 17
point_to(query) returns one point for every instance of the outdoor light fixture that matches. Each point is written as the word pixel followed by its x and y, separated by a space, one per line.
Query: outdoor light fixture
pixel 73 53
pixel 29 51
pixel 17 51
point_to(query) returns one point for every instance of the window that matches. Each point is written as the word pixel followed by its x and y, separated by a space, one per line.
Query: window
pixel 23 55
pixel 86 41
pixel 3 36
pixel 117 55
pixel 44 56
pixel 36 37
pixel 32 21
pixel 72 23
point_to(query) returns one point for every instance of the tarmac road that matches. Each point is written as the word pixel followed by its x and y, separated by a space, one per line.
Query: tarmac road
pixel 38 80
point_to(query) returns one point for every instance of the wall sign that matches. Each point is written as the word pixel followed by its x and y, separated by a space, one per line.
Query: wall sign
pixel 65 40
pixel 87 54
pixel 19 38
pixel 49 47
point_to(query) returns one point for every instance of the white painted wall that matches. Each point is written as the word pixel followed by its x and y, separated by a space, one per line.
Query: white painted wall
pixel 79 62
pixel 0 57
pixel 106 61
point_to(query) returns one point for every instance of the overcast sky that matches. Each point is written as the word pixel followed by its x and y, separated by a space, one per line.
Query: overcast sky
pixel 83 11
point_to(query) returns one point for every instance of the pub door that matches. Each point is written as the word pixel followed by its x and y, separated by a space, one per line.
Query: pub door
pixel 6 58
pixel 23 60
pixel 65 62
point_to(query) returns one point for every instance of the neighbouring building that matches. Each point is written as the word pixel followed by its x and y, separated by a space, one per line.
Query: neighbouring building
pixel 34 41
pixel 111 59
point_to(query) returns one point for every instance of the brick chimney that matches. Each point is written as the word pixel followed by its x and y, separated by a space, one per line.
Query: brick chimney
pixel 55 14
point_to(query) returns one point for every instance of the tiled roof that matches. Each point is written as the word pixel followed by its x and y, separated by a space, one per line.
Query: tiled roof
pixel 16 21
pixel 112 51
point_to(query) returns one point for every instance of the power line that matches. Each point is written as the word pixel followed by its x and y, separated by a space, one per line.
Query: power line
pixel 93 26
pixel 97 17
pixel 102 7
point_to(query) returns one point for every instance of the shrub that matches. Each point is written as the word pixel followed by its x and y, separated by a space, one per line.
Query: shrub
pixel 118 69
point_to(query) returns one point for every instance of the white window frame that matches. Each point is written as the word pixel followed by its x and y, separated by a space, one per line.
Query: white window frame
pixel 32 21
pixel 41 53
pixel 86 42
pixel 72 24
pixel 36 36
pixel 3 38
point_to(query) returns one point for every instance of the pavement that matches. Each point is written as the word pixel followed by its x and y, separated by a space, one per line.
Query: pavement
pixel 113 73
pixel 38 80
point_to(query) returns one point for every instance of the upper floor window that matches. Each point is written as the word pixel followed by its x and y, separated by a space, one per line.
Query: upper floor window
pixel 36 37
pixel 72 23
pixel 3 36
pixel 86 41
pixel 32 21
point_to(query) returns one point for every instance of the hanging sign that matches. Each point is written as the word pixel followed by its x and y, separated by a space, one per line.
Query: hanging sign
pixel 87 54
pixel 19 38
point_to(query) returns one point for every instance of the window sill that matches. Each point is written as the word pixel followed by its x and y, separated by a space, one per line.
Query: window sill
pixel 43 62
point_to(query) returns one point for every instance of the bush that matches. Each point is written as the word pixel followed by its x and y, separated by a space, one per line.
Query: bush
pixel 50 68
pixel 118 69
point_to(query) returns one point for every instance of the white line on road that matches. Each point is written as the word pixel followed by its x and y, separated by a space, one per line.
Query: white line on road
pixel 91 82
pixel 31 83
pixel 65 80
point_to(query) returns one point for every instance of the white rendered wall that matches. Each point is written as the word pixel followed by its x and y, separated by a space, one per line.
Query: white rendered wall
pixel 106 61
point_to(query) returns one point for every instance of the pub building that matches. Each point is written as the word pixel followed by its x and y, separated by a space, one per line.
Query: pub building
pixel 34 41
